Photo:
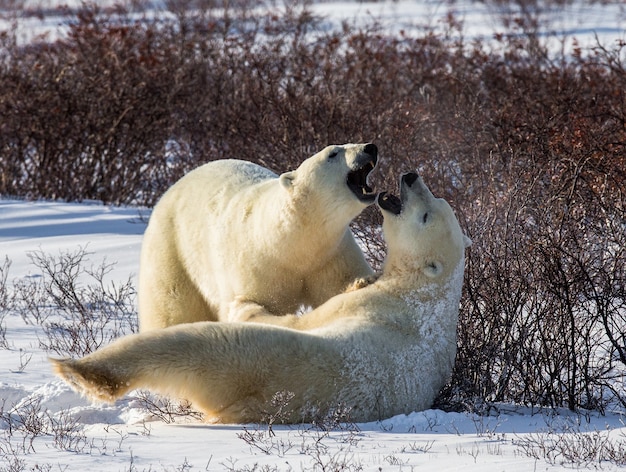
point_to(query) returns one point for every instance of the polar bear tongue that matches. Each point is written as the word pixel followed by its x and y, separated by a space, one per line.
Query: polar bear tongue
pixel 389 202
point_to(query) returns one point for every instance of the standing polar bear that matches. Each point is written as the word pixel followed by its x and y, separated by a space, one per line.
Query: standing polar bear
pixel 233 230
pixel 381 350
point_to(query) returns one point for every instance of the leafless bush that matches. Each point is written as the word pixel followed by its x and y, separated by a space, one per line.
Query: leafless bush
pixel 11 457
pixel 542 319
pixel 5 301
pixel 68 433
pixel 5 296
pixel 24 361
pixel 165 409
pixel 260 440
pixel 527 145
pixel 337 418
pixel 262 437
pixel 28 420
pixel 76 317
pixel 314 439
pixel 572 447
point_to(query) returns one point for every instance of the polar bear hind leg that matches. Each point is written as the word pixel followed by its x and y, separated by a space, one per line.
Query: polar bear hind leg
pixel 230 371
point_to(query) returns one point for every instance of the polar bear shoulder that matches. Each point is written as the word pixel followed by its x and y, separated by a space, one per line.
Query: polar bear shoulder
pixel 232 229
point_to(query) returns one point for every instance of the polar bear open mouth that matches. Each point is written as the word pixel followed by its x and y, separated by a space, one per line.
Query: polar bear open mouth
pixel 390 202
pixel 357 182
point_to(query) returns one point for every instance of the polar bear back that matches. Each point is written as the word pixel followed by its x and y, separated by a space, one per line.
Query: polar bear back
pixel 230 230
pixel 180 254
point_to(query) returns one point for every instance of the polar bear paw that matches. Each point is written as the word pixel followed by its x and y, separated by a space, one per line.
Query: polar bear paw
pixel 244 310
pixel 362 282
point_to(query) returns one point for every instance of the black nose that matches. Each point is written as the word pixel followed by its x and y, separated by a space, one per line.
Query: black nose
pixel 371 149
pixel 410 178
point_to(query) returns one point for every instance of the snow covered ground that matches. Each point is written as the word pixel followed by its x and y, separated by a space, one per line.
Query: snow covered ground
pixel 578 20
pixel 44 425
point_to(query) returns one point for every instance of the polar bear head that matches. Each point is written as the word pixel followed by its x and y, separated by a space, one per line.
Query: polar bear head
pixel 423 236
pixel 333 182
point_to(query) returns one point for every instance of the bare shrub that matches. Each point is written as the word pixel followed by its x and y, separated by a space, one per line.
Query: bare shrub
pixel 6 300
pixel 5 295
pixel 334 424
pixel 527 145
pixel 11 457
pixel 262 437
pixel 98 86
pixel 570 446
pixel 544 292
pixel 24 361
pixel 313 440
pixel 68 433
pixel 260 440
pixel 76 317
pixel 166 410
pixel 28 420
pixel 25 421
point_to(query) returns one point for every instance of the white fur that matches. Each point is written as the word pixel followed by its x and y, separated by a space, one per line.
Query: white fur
pixel 380 350
pixel 234 230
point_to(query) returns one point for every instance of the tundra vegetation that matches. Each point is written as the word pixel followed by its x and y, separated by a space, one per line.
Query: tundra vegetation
pixel 526 142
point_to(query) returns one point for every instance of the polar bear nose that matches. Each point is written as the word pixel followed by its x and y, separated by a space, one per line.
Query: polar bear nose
pixel 410 178
pixel 371 149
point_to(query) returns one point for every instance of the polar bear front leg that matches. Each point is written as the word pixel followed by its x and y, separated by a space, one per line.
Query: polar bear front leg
pixel 362 282
pixel 244 310
pixel 248 311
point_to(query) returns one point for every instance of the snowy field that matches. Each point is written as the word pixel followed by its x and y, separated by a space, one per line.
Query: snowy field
pixel 560 25
pixel 45 426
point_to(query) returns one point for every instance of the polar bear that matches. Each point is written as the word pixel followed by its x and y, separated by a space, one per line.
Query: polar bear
pixel 231 229
pixel 380 350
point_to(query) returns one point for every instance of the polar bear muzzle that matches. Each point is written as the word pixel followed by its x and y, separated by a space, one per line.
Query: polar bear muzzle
pixel 410 178
pixel 391 203
pixel 357 177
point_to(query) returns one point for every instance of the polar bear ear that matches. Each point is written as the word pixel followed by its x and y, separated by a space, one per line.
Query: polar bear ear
pixel 467 241
pixel 286 179
pixel 433 269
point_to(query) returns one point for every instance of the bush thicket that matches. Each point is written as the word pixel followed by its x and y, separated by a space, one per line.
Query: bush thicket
pixel 527 145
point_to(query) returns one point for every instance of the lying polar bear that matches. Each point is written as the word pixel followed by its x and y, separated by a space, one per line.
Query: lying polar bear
pixel 231 230
pixel 381 350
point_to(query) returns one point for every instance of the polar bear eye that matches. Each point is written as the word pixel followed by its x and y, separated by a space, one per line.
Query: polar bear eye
pixel 333 154
pixel 425 217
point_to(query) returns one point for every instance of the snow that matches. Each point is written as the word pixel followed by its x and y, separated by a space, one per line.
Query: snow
pixel 125 436
pixel 579 19
pixel 44 425
pixel 50 227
